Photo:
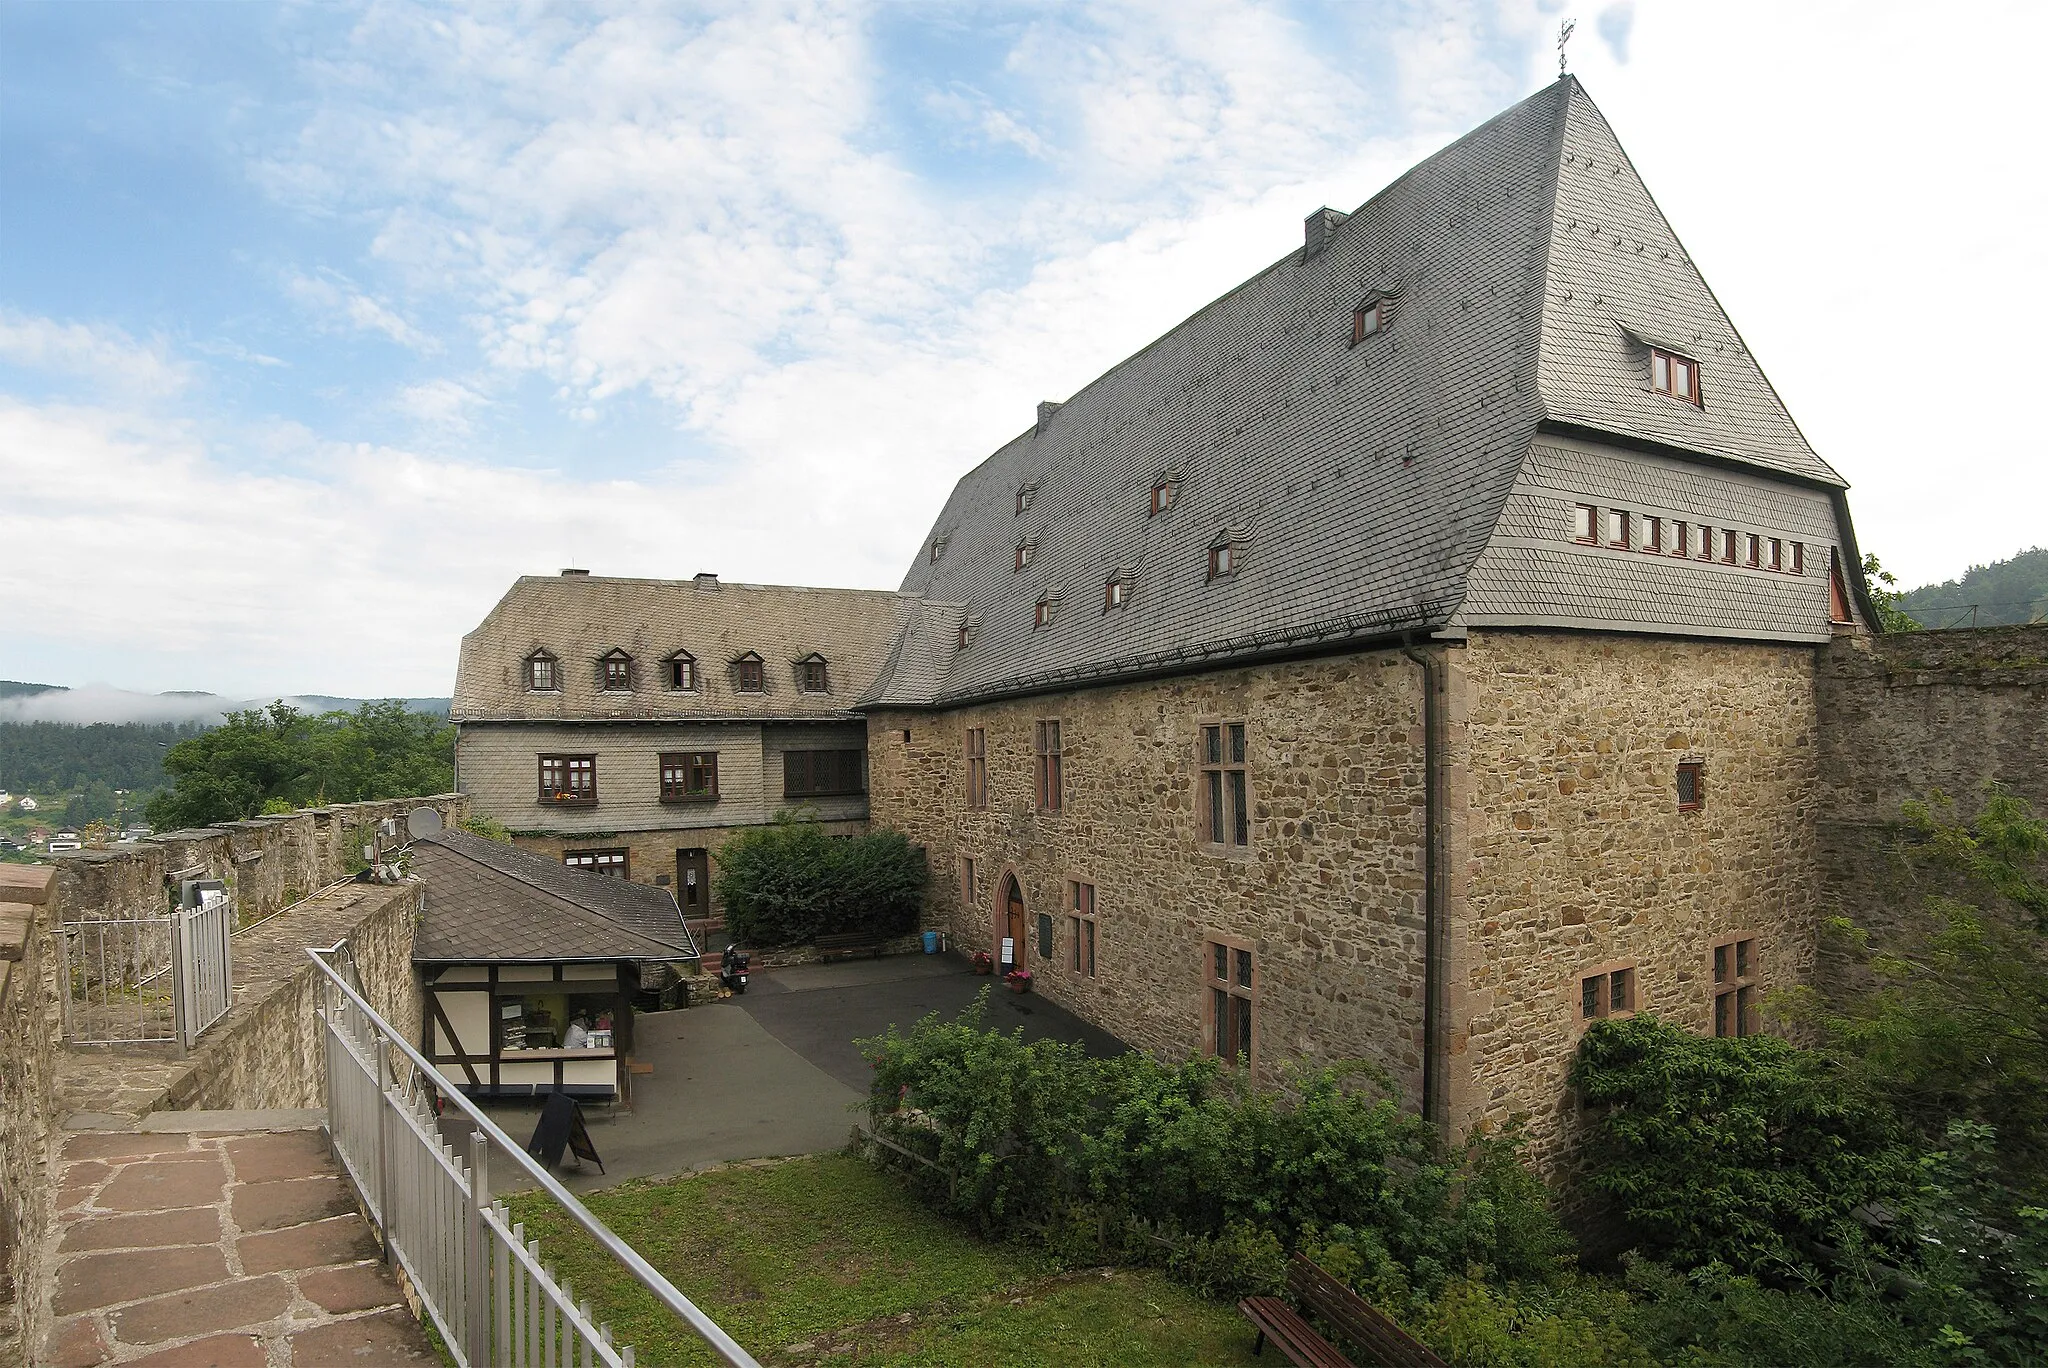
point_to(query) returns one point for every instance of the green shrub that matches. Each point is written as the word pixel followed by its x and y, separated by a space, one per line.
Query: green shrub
pixel 1748 1152
pixel 1244 1260
pixel 488 828
pixel 789 882
pixel 1577 1321
pixel 1713 1318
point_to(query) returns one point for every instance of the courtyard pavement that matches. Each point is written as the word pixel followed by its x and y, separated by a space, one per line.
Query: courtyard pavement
pixel 775 1072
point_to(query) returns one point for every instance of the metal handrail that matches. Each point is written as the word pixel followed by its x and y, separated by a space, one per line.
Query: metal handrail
pixel 649 1277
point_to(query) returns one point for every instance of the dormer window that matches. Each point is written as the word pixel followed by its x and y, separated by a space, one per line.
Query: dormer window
pixel 1224 556
pixel 682 672
pixel 1675 375
pixel 1373 316
pixel 938 549
pixel 969 625
pixel 747 674
pixel 1025 494
pixel 1116 591
pixel 615 670
pixel 1027 551
pixel 815 676
pixel 1041 614
pixel 540 672
pixel 1165 489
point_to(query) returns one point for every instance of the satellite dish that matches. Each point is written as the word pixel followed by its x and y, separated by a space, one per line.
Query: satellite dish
pixel 421 822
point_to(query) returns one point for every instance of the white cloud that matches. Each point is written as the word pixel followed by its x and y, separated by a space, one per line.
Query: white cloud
pixel 441 405
pixel 341 302
pixel 102 354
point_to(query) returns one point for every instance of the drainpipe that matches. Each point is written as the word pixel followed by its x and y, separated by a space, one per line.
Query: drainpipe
pixel 1433 1108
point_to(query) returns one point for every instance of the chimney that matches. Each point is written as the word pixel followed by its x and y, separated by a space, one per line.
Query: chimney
pixel 1317 229
pixel 1046 409
pixel 706 580
pixel 575 572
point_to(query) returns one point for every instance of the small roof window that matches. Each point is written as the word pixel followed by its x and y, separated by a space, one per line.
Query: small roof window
pixel 1025 494
pixel 1165 489
pixel 540 672
pixel 938 548
pixel 1027 551
pixel 1116 590
pixel 615 671
pixel 1675 375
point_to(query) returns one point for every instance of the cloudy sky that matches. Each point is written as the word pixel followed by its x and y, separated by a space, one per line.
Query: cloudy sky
pixel 319 324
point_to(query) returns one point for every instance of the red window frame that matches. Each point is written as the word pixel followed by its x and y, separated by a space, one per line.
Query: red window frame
pixel 689 776
pixel 1677 376
pixel 1051 781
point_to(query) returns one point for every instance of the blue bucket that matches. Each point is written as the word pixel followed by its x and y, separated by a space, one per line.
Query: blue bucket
pixel 931 942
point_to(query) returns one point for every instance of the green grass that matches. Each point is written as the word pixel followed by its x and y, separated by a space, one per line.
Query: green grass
pixel 831 1253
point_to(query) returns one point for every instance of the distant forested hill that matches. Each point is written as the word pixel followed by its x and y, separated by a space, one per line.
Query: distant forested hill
pixel 14 688
pixel 53 757
pixel 2003 592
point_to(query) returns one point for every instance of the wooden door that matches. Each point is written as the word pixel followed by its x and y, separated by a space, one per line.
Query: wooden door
pixel 693 883
pixel 1013 920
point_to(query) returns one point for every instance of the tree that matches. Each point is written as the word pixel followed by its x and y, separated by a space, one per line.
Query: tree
pixel 789 882
pixel 1885 597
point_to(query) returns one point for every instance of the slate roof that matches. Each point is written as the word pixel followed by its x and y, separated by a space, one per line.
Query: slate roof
pixel 1527 269
pixel 487 900
pixel 581 618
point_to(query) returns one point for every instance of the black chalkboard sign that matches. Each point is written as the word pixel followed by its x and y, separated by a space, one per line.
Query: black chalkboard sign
pixel 561 1128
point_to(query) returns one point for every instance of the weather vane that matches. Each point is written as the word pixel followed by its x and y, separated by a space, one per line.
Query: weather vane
pixel 1564 35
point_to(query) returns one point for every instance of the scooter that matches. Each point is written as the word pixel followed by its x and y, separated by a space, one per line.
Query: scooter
pixel 732 969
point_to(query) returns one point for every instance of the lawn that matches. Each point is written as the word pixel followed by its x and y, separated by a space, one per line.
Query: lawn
pixel 827 1260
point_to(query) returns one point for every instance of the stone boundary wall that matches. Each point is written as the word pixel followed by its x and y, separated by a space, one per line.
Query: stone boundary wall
pixel 267 862
pixel 30 1018
pixel 1903 715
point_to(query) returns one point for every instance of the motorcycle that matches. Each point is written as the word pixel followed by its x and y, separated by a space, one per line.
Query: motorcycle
pixel 732 969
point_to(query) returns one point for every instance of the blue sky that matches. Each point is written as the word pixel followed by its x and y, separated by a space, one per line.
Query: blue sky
pixel 319 323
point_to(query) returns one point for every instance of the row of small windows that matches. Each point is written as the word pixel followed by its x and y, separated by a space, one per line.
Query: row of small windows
pixel 692 776
pixel 1225 558
pixel 1608 992
pixel 1659 536
pixel 616 673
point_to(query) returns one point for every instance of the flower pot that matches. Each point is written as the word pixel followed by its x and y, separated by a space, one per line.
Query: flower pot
pixel 1020 985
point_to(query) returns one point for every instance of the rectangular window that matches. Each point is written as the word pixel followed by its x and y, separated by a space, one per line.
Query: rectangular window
pixel 612 862
pixel 568 779
pixel 977 768
pixel 1675 375
pixel 1162 496
pixel 1798 558
pixel 969 892
pixel 540 673
pixel 1681 545
pixel 1653 535
pixel 1232 992
pixel 1585 523
pixel 689 777
pixel 1366 320
pixel 1081 922
pixel 1752 550
pixel 747 676
pixel 1609 991
pixel 1617 528
pixel 1024 497
pixel 1728 537
pixel 1706 542
pixel 1041 614
pixel 1222 561
pixel 1025 552
pixel 821 773
pixel 1736 977
pixel 1049 778
pixel 1225 793
pixel 682 675
pixel 1112 595
pixel 817 679
pixel 1774 554
pixel 1838 592
pixel 1692 785
pixel 618 675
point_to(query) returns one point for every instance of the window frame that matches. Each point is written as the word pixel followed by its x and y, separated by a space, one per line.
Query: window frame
pixel 976 743
pixel 749 674
pixel 1586 524
pixel 1082 928
pixel 688 766
pixel 683 666
pixel 823 673
pixel 565 792
pixel 1223 560
pixel 1698 770
pixel 812 778
pixel 615 665
pixel 1374 311
pixel 1619 526
pixel 1650 540
pixel 1025 494
pixel 1041 615
pixel 1840 614
pixel 1728 545
pixel 1753 550
pixel 938 548
pixel 602 861
pixel 1027 552
pixel 1116 592
pixel 1681 540
pixel 1741 990
pixel 1604 975
pixel 1798 558
pixel 1048 744
pixel 1231 991
pixel 534 664
pixel 970 882
pixel 1165 492
pixel 1706 552
pixel 1223 794
pixel 1674 365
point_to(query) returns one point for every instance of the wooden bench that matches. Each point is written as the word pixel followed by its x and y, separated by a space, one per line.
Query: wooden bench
pixel 848 943
pixel 1350 1315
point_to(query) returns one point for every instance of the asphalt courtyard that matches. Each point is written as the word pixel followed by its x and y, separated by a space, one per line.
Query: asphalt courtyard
pixel 776 1071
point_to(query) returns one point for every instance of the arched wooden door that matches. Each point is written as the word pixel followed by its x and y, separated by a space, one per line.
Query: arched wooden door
pixel 1013 920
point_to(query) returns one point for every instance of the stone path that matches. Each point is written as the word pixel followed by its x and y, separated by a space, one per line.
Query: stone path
pixel 224 1244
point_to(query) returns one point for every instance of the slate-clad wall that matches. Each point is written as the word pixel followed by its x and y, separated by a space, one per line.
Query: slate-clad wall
pixel 1569 851
pixel 1329 894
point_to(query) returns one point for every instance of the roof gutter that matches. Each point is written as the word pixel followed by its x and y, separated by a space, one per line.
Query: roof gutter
pixel 1433 1062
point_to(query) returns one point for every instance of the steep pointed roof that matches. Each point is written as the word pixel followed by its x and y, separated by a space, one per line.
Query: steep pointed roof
pixel 1525 271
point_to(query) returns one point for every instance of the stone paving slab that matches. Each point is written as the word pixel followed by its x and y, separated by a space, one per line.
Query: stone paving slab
pixel 206 1246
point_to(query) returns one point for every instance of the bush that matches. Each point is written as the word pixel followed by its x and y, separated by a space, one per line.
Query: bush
pixel 1746 1152
pixel 789 883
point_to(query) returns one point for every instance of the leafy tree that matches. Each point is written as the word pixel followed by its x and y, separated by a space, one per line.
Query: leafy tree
pixel 2007 591
pixel 277 758
pixel 1885 597
pixel 789 882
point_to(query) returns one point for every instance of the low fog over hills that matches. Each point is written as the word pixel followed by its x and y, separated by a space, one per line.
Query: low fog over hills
pixel 21 702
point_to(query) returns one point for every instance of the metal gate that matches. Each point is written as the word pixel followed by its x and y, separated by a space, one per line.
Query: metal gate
pixel 203 958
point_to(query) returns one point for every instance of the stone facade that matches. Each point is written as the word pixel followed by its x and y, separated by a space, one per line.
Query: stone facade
pixel 1568 849
pixel 652 855
pixel 30 1018
pixel 1328 894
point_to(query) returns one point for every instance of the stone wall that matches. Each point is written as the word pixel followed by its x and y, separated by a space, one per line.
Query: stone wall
pixel 651 855
pixel 1329 893
pixel 267 862
pixel 29 1035
pixel 1569 851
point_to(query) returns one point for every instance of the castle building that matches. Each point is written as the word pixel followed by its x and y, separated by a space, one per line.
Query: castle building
pixel 1410 657
pixel 632 726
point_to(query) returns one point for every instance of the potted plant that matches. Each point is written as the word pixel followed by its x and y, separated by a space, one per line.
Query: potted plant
pixel 1019 980
pixel 983 962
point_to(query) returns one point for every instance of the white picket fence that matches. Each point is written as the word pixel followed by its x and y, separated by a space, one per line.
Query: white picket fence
pixel 483 1283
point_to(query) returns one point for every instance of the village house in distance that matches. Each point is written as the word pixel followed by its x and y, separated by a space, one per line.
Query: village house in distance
pixel 631 726
pixel 1411 656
